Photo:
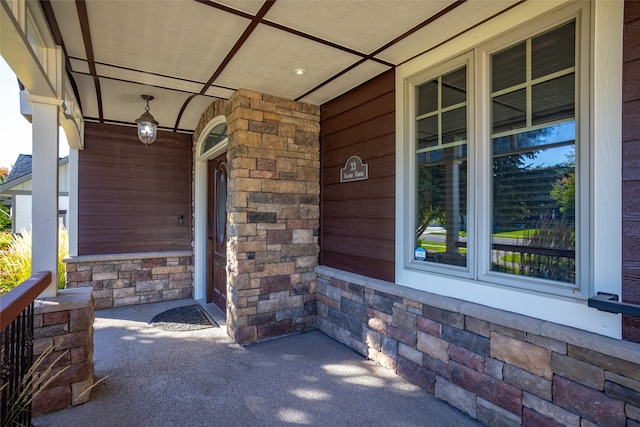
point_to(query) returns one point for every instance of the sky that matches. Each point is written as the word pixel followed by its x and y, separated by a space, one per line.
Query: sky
pixel 15 130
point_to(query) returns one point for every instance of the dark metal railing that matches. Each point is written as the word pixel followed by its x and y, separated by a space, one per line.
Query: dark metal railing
pixel 546 263
pixel 558 264
pixel 611 303
pixel 532 261
pixel 16 349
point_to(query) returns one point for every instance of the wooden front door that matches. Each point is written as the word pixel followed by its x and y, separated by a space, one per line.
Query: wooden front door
pixel 216 232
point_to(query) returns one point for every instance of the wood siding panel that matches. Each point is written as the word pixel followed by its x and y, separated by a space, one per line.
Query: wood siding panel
pixel 130 196
pixel 383 146
pixel 358 263
pixel 360 208
pixel 372 89
pixel 372 248
pixel 631 168
pixel 358 190
pixel 362 114
pixel 363 132
pixel 381 165
pixel 357 228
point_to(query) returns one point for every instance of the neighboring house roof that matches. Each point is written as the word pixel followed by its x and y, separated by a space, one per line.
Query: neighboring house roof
pixel 20 168
pixel 21 172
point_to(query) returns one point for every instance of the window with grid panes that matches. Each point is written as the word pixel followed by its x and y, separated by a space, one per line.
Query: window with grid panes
pixel 529 203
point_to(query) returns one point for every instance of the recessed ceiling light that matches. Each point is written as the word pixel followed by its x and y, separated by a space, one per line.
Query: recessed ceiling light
pixel 299 71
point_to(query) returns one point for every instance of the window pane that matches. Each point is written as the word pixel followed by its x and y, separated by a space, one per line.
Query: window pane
pixel 428 132
pixel 217 135
pixel 454 125
pixel 441 173
pixel 221 212
pixel 534 202
pixel 509 111
pixel 509 67
pixel 553 100
pixel 427 97
pixel 561 134
pixel 553 51
pixel 454 88
pixel 442 205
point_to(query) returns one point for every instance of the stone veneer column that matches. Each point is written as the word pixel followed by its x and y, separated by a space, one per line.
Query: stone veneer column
pixel 63 325
pixel 273 213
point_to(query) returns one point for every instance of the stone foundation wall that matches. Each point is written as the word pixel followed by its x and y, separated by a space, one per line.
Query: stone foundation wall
pixel 129 279
pixel 273 215
pixel 500 368
pixel 64 325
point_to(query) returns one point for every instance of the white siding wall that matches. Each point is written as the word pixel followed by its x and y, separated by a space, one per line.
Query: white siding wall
pixel 22 213
pixel 63 179
pixel 63 205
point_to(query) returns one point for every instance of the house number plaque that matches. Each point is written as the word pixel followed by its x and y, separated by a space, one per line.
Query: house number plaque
pixel 354 170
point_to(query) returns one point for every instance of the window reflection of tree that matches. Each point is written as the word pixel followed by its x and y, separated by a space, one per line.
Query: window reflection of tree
pixel 442 198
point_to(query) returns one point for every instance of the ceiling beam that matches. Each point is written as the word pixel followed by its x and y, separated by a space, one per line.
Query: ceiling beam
pixel 83 17
pixel 464 31
pixel 401 37
pixel 420 26
pixel 57 37
pixel 330 79
pixel 124 80
pixel 236 47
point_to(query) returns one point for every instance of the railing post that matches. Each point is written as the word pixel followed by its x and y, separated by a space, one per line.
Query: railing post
pixel 16 362
pixel 16 349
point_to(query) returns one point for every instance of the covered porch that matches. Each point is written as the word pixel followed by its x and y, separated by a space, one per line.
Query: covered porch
pixel 199 378
pixel 240 201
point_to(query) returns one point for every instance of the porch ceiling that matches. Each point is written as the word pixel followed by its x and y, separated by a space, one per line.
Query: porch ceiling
pixel 188 53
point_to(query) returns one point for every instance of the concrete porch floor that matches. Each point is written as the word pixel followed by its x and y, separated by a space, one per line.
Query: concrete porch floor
pixel 202 378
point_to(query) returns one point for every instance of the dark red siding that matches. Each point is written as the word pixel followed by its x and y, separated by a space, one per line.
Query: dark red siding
pixel 130 196
pixel 357 228
pixel 631 167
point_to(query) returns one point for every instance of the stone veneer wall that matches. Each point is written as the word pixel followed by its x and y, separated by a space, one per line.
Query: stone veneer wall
pixel 273 215
pixel 64 324
pixel 500 368
pixel 128 279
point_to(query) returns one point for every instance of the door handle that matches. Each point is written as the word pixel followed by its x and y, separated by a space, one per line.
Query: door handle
pixel 210 237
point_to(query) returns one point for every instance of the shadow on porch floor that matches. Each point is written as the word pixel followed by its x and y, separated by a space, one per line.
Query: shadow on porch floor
pixel 202 378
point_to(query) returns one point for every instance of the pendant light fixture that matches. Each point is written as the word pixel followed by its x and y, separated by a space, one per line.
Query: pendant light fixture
pixel 147 125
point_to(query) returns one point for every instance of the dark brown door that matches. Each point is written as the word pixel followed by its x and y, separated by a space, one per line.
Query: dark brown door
pixel 216 232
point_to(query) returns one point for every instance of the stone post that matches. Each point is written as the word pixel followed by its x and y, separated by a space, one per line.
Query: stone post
pixel 64 325
pixel 273 214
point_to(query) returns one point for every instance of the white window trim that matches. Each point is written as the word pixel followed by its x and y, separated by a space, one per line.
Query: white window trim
pixel 604 127
pixel 466 59
pixel 582 288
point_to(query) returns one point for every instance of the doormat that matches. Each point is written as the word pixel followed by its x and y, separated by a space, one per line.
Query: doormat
pixel 182 319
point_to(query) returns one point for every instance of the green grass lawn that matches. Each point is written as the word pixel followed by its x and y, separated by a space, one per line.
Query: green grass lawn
pixel 438 247
pixel 515 234
pixel 515 258
pixel 441 246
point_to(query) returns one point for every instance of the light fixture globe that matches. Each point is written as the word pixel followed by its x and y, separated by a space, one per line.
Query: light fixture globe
pixel 147 125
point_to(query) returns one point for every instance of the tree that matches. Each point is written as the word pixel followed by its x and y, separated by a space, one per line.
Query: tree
pixel 4 173
pixel 564 193
pixel 431 180
pixel 5 218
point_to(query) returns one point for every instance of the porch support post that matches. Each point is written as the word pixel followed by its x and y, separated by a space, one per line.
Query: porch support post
pixel 44 214
pixel 273 213
pixel 72 227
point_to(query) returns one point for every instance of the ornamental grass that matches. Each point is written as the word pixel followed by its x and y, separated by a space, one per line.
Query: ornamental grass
pixel 15 259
